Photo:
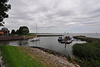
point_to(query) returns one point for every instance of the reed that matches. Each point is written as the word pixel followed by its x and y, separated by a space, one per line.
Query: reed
pixel 88 53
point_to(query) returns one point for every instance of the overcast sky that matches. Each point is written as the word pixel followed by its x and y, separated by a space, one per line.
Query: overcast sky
pixel 55 16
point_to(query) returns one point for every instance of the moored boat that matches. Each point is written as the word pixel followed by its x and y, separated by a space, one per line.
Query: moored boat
pixel 60 39
pixel 35 39
pixel 66 39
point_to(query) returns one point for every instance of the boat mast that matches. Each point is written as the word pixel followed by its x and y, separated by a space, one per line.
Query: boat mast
pixel 36 28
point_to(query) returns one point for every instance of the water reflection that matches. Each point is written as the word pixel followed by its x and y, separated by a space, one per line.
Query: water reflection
pixel 23 43
pixel 65 45
pixel 4 42
pixel 20 43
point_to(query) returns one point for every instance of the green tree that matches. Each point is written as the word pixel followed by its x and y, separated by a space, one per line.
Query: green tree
pixel 4 7
pixel 13 32
pixel 17 32
pixel 23 30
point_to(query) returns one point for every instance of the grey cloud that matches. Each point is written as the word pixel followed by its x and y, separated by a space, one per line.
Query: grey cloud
pixel 64 13
pixel 59 15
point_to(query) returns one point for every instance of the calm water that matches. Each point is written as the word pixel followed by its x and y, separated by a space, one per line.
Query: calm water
pixel 50 43
pixel 46 42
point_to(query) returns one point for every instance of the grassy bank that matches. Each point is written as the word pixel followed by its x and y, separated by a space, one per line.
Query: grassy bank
pixel 18 57
pixel 88 53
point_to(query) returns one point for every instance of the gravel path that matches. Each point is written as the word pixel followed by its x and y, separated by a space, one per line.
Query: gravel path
pixel 60 61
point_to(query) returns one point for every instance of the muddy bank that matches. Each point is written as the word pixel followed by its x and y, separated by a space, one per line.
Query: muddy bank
pixel 88 39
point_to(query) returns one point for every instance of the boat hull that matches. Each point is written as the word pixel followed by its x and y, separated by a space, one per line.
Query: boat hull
pixel 35 39
pixel 66 42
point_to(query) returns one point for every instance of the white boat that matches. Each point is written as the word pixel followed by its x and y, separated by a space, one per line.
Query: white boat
pixel 35 39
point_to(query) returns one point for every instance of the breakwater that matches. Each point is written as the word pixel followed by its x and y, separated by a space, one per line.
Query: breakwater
pixel 9 38
pixel 6 38
pixel 88 39
pixel 67 57
pixel 49 51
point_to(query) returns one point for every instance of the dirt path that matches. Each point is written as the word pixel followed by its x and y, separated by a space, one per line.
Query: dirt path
pixel 48 58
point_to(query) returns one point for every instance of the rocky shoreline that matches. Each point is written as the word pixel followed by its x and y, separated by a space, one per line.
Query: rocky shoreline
pixel 60 59
pixel 49 51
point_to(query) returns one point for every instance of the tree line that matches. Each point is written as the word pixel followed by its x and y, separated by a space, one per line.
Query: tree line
pixel 23 30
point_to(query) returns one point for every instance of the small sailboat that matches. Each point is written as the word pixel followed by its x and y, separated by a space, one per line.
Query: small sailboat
pixel 35 38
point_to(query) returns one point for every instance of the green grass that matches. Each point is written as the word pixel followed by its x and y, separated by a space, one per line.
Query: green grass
pixel 15 57
pixel 88 53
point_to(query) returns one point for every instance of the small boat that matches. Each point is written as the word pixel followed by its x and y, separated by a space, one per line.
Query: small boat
pixel 66 40
pixel 35 39
pixel 60 39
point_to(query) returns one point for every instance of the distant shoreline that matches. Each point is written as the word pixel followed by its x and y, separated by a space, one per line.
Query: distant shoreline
pixel 88 39
pixel 48 35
